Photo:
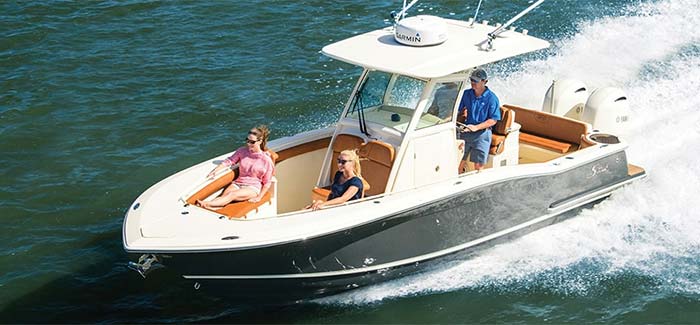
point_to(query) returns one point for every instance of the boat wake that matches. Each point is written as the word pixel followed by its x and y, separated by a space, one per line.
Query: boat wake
pixel 647 230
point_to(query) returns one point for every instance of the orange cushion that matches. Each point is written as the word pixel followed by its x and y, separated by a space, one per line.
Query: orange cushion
pixel 214 186
pixel 561 147
pixel 497 144
pixel 240 209
pixel 320 194
pixel 273 155
pixel 507 118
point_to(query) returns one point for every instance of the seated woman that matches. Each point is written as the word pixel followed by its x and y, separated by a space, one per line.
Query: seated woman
pixel 255 169
pixel 347 184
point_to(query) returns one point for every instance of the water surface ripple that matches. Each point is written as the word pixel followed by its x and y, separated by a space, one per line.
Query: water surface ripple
pixel 99 100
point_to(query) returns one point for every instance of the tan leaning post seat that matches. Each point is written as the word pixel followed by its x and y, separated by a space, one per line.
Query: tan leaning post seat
pixel 501 130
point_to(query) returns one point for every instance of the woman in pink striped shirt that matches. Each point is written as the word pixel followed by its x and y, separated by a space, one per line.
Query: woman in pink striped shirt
pixel 255 169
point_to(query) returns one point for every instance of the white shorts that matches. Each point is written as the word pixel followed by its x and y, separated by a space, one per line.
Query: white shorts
pixel 238 187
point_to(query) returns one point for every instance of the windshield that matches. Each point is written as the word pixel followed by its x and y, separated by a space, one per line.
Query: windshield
pixel 440 105
pixel 387 99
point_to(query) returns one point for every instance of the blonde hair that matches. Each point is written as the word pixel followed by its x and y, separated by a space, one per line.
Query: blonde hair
pixel 352 154
pixel 262 132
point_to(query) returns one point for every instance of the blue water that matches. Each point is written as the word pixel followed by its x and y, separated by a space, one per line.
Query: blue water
pixel 100 100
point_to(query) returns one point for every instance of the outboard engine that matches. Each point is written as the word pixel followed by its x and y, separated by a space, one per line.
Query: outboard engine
pixel 566 97
pixel 422 30
pixel 607 110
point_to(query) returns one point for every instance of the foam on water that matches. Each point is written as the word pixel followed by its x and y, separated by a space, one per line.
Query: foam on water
pixel 648 228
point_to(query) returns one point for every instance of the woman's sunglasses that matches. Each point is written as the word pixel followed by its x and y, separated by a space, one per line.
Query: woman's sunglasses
pixel 342 161
pixel 249 141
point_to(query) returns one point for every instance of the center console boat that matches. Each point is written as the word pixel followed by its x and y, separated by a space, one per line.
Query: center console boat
pixel 417 208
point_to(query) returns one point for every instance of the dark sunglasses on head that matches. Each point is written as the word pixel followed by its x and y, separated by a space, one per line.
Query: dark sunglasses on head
pixel 249 141
pixel 342 161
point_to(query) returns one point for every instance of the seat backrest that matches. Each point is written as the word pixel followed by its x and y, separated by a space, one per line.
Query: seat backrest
pixel 377 159
pixel 550 126
pixel 506 122
pixel 343 142
pixel 273 155
pixel 500 131
pixel 224 181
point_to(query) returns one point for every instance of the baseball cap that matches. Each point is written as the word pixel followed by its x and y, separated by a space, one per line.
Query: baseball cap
pixel 479 74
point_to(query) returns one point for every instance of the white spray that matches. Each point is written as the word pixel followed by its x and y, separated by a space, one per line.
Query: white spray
pixel 650 227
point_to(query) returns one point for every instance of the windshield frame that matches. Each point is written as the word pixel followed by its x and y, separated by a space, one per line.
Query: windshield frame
pixel 390 112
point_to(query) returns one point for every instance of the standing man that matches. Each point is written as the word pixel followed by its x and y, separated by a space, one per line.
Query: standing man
pixel 480 109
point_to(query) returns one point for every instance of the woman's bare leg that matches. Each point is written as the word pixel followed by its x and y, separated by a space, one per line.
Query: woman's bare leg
pixel 240 194
pixel 207 204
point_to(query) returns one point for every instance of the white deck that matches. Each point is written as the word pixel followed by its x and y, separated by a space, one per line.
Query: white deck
pixel 160 226
pixel 464 49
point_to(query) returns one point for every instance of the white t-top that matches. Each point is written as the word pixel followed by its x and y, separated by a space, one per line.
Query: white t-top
pixel 465 48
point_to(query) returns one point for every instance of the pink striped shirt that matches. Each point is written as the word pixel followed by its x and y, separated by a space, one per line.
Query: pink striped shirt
pixel 255 168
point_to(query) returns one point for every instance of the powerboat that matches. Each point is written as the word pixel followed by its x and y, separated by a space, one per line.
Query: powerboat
pixel 417 208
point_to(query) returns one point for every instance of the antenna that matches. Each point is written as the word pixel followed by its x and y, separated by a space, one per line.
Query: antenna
pixel 401 14
pixel 494 34
pixel 476 13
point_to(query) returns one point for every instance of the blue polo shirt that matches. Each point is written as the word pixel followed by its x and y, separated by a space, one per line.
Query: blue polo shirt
pixel 479 109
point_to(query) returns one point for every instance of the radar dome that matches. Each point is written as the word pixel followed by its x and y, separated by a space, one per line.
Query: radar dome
pixel 422 30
